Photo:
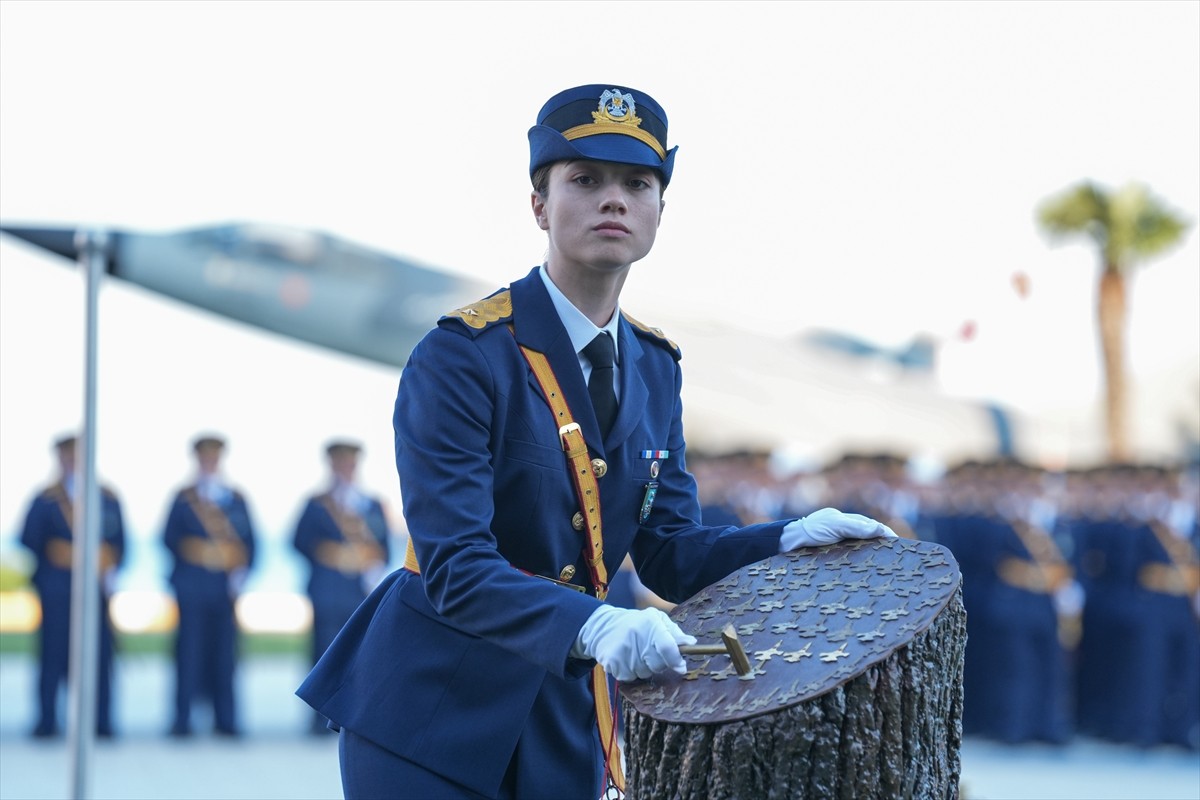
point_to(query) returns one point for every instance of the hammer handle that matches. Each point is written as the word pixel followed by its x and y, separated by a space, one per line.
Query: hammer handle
pixel 703 649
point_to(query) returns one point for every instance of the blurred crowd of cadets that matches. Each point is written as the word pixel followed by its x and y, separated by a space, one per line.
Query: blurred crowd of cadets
pixel 1082 587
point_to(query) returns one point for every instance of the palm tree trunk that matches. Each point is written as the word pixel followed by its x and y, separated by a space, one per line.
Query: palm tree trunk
pixel 1111 318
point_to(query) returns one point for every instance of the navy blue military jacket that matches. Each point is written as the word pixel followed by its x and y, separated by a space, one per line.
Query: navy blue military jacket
pixel 460 666
pixel 187 576
pixel 47 533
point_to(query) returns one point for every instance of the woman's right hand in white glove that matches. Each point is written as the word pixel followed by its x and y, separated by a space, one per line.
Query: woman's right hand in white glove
pixel 633 644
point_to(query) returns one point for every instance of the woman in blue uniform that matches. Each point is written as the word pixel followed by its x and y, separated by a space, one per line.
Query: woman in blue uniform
pixel 538 441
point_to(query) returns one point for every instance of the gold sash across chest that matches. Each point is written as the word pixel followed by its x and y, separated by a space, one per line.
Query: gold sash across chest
pixel 61 552
pixel 357 551
pixel 1046 573
pixel 221 550
pixel 587 490
pixel 1180 577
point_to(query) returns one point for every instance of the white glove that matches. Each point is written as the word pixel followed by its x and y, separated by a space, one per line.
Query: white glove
pixel 108 582
pixel 633 644
pixel 828 526
pixel 1069 599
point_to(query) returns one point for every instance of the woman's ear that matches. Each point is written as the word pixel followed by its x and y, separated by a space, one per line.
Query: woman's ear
pixel 538 203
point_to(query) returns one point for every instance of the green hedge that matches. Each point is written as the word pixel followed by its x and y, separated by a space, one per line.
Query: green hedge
pixel 12 578
pixel 258 644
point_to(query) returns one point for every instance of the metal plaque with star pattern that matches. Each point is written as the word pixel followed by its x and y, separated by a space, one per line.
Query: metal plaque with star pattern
pixel 808 620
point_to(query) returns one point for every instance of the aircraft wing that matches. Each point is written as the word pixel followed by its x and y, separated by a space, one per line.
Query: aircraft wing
pixel 301 284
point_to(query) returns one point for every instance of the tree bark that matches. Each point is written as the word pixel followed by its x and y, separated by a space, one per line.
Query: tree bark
pixel 1111 320
pixel 893 730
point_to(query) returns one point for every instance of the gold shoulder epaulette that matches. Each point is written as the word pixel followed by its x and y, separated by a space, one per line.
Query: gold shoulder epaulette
pixel 654 334
pixel 480 314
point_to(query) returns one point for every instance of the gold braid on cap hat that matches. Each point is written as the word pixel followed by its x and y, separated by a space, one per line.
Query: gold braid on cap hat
pixel 628 123
pixel 580 131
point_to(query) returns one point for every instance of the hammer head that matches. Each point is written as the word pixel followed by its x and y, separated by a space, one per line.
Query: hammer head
pixel 737 654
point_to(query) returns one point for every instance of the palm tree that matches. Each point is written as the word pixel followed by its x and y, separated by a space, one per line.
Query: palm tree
pixel 1127 226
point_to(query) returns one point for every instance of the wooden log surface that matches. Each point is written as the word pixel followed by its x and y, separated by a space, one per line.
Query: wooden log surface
pixel 856 691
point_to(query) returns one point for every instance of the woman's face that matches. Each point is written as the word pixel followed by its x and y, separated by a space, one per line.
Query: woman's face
pixel 598 214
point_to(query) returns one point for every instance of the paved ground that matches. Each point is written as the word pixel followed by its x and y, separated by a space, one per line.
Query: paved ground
pixel 277 760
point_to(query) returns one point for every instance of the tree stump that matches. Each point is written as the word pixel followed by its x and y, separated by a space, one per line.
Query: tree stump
pixel 855 690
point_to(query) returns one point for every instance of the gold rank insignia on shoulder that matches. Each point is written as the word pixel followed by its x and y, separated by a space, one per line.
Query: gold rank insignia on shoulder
pixel 484 312
pixel 656 333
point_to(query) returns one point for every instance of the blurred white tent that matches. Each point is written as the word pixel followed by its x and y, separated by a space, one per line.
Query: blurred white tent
pixel 743 390
pixel 748 391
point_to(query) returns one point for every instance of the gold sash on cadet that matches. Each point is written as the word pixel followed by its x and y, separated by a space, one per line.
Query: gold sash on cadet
pixel 587 490
pixel 223 550
pixel 61 552
pixel 1046 573
pixel 1180 577
pixel 358 550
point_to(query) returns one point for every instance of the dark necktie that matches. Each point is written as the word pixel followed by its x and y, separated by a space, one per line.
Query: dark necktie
pixel 600 385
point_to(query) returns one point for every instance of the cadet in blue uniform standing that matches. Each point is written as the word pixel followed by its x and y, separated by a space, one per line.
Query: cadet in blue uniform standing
pixel 538 441
pixel 49 536
pixel 343 534
pixel 211 540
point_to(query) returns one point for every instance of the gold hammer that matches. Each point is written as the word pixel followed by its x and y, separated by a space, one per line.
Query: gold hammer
pixel 730 644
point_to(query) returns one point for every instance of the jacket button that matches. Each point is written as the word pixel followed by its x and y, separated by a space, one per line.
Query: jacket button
pixel 599 467
pixel 577 521
pixel 566 573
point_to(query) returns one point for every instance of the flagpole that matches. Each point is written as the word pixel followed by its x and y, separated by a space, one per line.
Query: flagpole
pixel 85 586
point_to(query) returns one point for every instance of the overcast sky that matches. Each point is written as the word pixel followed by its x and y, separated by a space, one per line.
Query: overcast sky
pixel 867 167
